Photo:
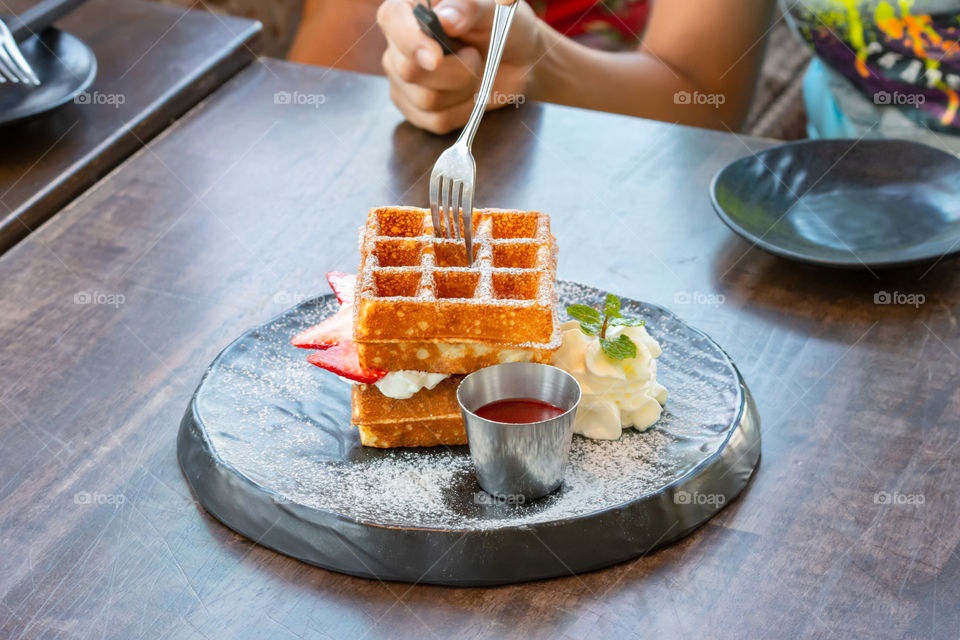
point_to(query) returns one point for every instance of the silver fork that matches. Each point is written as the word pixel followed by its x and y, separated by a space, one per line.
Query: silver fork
pixel 13 66
pixel 454 175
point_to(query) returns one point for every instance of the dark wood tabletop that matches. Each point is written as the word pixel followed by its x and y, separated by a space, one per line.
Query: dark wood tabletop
pixel 112 311
pixel 154 63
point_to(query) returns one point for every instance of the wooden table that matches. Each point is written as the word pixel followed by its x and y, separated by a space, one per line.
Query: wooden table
pixel 154 63
pixel 240 209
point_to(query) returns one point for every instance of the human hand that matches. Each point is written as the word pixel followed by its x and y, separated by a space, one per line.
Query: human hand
pixel 437 92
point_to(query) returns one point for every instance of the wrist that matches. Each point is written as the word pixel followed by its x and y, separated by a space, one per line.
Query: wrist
pixel 541 72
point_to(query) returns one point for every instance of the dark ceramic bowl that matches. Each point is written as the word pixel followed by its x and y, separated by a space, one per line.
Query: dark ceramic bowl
pixel 842 203
pixel 66 67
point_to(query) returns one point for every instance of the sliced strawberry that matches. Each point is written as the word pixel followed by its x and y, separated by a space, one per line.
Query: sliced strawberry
pixel 344 361
pixel 343 285
pixel 336 329
pixel 335 336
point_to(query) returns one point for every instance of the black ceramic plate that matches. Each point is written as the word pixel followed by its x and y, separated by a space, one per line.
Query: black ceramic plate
pixel 267 446
pixel 841 203
pixel 66 67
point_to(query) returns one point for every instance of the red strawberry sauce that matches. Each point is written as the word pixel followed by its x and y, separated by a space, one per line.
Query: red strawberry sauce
pixel 518 411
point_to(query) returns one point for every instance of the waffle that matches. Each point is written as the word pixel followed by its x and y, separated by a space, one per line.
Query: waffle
pixel 431 417
pixel 415 287
pixel 450 356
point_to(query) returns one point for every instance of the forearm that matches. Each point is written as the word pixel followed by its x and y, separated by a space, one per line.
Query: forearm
pixel 635 83
pixel 340 34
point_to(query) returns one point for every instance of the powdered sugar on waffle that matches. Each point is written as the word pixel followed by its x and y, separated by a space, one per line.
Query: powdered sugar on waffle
pixel 506 295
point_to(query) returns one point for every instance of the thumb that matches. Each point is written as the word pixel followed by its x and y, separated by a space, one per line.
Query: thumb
pixel 457 16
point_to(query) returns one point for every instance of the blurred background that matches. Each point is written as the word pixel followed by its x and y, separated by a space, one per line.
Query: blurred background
pixel 777 110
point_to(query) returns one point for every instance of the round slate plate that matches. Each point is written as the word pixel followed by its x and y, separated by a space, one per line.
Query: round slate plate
pixel 66 67
pixel 841 203
pixel 267 446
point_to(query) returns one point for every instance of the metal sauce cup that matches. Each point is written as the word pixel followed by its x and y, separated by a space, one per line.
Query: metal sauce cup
pixel 519 461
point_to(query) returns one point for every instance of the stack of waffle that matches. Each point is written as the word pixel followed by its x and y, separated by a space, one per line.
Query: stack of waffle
pixel 419 306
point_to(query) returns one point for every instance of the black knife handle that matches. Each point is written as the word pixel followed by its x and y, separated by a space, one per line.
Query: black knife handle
pixel 39 17
pixel 430 25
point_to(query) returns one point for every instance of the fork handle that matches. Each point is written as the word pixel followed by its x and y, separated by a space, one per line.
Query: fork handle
pixel 502 18
pixel 39 17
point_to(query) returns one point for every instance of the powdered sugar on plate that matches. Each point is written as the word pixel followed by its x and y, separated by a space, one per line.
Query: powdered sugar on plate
pixel 284 425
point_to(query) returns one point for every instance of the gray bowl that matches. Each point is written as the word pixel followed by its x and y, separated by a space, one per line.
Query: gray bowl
pixel 519 462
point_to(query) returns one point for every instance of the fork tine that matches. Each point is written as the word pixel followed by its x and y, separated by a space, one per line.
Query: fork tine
pixel 20 63
pixel 442 228
pixel 11 65
pixel 435 182
pixel 445 189
pixel 5 64
pixel 468 220
pixel 455 203
pixel 451 214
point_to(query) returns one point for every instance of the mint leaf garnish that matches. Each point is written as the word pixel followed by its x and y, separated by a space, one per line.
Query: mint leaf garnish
pixel 590 321
pixel 611 308
pixel 582 312
pixel 593 323
pixel 619 349
pixel 627 322
pixel 591 328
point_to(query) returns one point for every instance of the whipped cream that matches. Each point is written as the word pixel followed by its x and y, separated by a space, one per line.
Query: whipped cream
pixel 401 385
pixel 616 393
